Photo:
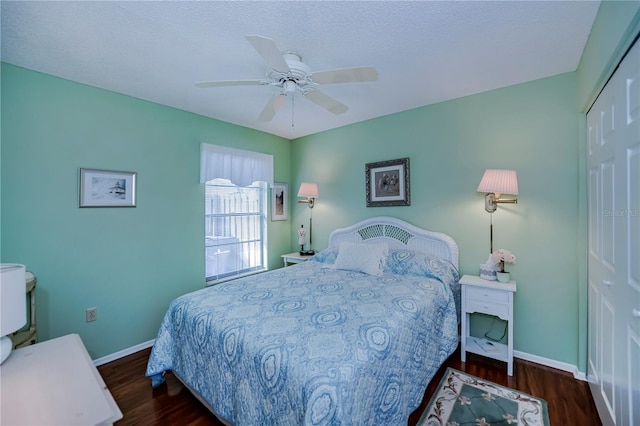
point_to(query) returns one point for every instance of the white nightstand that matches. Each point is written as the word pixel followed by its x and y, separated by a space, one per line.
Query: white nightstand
pixel 492 298
pixel 294 258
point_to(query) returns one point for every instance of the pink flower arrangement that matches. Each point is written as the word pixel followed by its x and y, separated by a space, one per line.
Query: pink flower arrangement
pixel 502 256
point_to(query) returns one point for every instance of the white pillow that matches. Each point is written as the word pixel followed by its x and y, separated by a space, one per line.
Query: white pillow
pixel 361 257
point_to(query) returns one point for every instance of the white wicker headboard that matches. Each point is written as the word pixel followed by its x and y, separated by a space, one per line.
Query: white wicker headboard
pixel 398 234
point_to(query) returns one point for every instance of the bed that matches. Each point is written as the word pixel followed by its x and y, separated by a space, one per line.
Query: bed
pixel 351 337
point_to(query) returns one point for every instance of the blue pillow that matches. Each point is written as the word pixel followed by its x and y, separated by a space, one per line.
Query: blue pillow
pixel 327 255
pixel 410 262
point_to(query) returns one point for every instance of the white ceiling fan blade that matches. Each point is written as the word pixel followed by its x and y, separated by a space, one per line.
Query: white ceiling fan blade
pixel 270 109
pixel 269 51
pixel 346 75
pixel 224 83
pixel 326 102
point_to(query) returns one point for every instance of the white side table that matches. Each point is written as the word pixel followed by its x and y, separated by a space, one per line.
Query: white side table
pixel 294 258
pixel 55 383
pixel 491 298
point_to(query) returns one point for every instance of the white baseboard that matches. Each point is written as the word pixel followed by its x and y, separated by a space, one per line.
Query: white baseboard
pixel 558 365
pixel 123 353
pixel 517 354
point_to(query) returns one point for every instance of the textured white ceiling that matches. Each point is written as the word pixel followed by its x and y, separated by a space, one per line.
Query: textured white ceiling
pixel 425 51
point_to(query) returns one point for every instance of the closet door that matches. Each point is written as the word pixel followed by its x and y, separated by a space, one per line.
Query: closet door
pixel 614 245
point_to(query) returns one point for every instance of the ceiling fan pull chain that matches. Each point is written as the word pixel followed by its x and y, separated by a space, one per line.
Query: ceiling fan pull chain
pixel 293 96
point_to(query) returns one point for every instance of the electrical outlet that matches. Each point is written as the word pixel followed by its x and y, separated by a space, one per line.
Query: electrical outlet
pixel 91 314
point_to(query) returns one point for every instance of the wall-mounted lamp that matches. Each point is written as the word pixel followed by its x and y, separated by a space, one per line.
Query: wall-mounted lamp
pixel 309 191
pixel 495 183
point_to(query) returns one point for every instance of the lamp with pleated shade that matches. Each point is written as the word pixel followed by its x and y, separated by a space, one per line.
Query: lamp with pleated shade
pixel 496 182
pixel 308 191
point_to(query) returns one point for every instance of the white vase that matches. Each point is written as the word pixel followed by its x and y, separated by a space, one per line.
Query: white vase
pixel 503 277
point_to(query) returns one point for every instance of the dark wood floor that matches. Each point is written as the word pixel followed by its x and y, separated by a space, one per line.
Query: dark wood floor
pixel 569 400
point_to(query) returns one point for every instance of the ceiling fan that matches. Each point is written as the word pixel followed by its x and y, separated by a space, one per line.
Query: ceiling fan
pixel 287 72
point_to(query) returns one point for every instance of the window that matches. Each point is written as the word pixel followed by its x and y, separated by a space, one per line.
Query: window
pixel 235 229
pixel 236 210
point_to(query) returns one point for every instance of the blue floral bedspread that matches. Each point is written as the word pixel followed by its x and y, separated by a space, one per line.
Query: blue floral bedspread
pixel 314 345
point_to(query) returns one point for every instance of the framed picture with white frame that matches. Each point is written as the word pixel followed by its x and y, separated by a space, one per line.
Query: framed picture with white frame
pixel 106 188
pixel 280 201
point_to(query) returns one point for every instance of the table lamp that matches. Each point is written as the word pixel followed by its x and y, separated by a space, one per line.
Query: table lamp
pixel 13 304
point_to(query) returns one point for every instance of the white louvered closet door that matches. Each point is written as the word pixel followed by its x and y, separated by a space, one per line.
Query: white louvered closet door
pixel 613 154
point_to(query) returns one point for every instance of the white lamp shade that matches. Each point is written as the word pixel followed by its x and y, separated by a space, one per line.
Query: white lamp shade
pixel 309 190
pixel 13 298
pixel 499 182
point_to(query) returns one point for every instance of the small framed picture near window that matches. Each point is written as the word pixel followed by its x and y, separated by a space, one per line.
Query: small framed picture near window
pixel 280 201
pixel 387 183
pixel 105 188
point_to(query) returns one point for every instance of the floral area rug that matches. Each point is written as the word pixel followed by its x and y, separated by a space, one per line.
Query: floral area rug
pixel 462 399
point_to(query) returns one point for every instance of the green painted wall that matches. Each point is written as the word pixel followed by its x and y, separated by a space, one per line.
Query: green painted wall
pixel 128 262
pixel 532 128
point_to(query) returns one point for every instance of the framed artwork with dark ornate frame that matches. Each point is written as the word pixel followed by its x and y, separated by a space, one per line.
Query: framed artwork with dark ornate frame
pixel 387 183
pixel 106 188
pixel 280 201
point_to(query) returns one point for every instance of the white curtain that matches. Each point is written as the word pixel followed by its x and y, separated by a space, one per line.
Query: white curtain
pixel 241 167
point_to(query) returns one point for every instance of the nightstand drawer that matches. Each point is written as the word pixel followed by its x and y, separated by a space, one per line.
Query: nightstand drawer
pixel 486 307
pixel 487 294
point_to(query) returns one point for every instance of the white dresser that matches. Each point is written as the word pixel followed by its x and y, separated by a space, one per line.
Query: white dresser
pixel 54 383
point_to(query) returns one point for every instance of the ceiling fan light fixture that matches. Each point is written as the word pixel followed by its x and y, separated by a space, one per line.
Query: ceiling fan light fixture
pixel 290 86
